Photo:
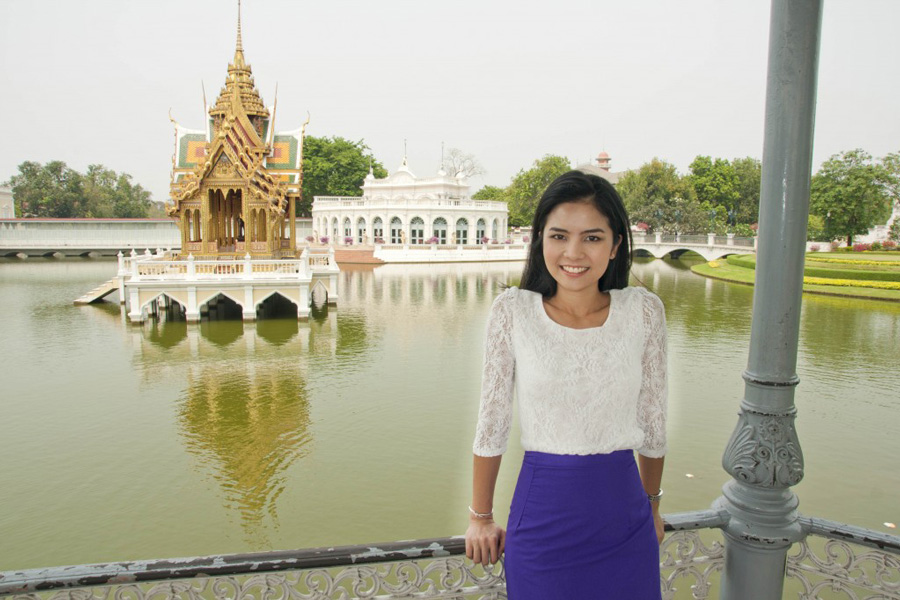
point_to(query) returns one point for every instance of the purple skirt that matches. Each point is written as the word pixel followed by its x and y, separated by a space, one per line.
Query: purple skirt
pixel 581 527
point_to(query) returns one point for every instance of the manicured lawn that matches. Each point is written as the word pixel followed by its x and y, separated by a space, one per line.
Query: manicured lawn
pixel 740 269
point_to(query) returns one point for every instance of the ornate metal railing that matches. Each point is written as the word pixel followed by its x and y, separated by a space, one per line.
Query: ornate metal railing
pixel 844 561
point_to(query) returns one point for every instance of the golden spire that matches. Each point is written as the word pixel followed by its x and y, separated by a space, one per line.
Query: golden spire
pixel 240 76
pixel 239 47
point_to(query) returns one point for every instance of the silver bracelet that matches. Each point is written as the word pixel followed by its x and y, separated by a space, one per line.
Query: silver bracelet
pixel 479 515
pixel 655 497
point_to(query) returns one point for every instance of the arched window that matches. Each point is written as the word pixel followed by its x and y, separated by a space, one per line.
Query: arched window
pixel 396 231
pixel 440 229
pixel 480 231
pixel 334 230
pixel 348 232
pixel 417 231
pixel 462 232
pixel 360 230
pixel 378 230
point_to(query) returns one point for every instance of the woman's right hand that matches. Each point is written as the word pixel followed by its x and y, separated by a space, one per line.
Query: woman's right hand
pixel 485 541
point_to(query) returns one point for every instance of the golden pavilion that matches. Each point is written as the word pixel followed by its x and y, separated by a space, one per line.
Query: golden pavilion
pixel 236 184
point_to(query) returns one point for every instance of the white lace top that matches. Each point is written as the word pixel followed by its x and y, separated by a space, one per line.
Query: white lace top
pixel 579 391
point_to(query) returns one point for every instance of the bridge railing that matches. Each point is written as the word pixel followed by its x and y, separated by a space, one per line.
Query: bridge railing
pixel 320 260
pixel 694 239
pixel 165 265
pixel 834 557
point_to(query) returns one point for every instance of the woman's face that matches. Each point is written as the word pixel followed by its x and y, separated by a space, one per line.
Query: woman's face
pixel 578 244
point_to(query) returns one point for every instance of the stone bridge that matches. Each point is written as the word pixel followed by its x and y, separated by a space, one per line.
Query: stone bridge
pixel 709 246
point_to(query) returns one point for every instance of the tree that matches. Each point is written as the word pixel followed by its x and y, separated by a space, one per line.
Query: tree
pixel 459 163
pixel 657 195
pixel 130 200
pixel 891 173
pixel 55 190
pixel 716 183
pixel 749 176
pixel 894 231
pixel 334 167
pixel 489 192
pixel 51 190
pixel 733 185
pixel 526 188
pixel 850 192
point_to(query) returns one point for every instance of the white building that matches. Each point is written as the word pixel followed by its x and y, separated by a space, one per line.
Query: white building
pixel 7 207
pixel 880 233
pixel 403 209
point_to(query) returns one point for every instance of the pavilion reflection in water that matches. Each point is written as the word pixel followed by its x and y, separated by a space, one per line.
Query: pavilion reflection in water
pixel 248 423
pixel 244 411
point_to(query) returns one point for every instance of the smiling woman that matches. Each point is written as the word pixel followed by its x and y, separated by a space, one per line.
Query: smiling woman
pixel 578 246
pixel 586 356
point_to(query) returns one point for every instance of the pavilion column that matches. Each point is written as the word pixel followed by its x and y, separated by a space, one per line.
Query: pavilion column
pixel 221 217
pixel 205 236
pixel 292 212
pixel 230 203
pixel 763 455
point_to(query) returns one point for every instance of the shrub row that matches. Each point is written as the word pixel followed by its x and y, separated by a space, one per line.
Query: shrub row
pixel 851 274
pixel 888 245
pixel 880 285
pixel 748 261
pixel 854 261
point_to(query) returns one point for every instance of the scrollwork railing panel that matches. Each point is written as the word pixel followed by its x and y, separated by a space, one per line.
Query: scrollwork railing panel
pixel 843 570
pixel 437 579
pixel 689 558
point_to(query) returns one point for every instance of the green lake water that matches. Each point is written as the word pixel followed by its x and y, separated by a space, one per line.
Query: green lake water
pixel 122 442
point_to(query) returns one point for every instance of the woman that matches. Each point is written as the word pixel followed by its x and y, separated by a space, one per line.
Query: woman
pixel 586 357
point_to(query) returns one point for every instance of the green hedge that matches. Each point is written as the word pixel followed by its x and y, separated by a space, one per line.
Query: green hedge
pixel 851 274
pixel 748 261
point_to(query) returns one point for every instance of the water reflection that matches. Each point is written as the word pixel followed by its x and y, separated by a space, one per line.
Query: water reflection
pixel 248 422
pixel 707 312
pixel 166 333
pixel 221 332
pixel 278 332
pixel 367 409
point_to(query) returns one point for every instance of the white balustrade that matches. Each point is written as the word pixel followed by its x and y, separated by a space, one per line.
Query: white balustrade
pixel 324 202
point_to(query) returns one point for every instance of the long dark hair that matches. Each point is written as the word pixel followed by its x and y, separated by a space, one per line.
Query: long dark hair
pixel 576 186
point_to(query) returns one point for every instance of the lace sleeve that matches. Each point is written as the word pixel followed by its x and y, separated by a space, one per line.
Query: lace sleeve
pixel 497 383
pixel 654 385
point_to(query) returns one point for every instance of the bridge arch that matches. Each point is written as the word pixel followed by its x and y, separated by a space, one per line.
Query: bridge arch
pixel 274 304
pixel 213 295
pixel 319 292
pixel 181 305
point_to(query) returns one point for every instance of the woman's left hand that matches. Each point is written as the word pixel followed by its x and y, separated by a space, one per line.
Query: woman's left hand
pixel 658 524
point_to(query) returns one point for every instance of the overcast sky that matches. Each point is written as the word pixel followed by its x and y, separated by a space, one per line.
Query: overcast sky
pixel 92 81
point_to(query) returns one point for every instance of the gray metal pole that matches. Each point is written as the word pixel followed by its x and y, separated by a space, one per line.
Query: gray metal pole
pixel 763 455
